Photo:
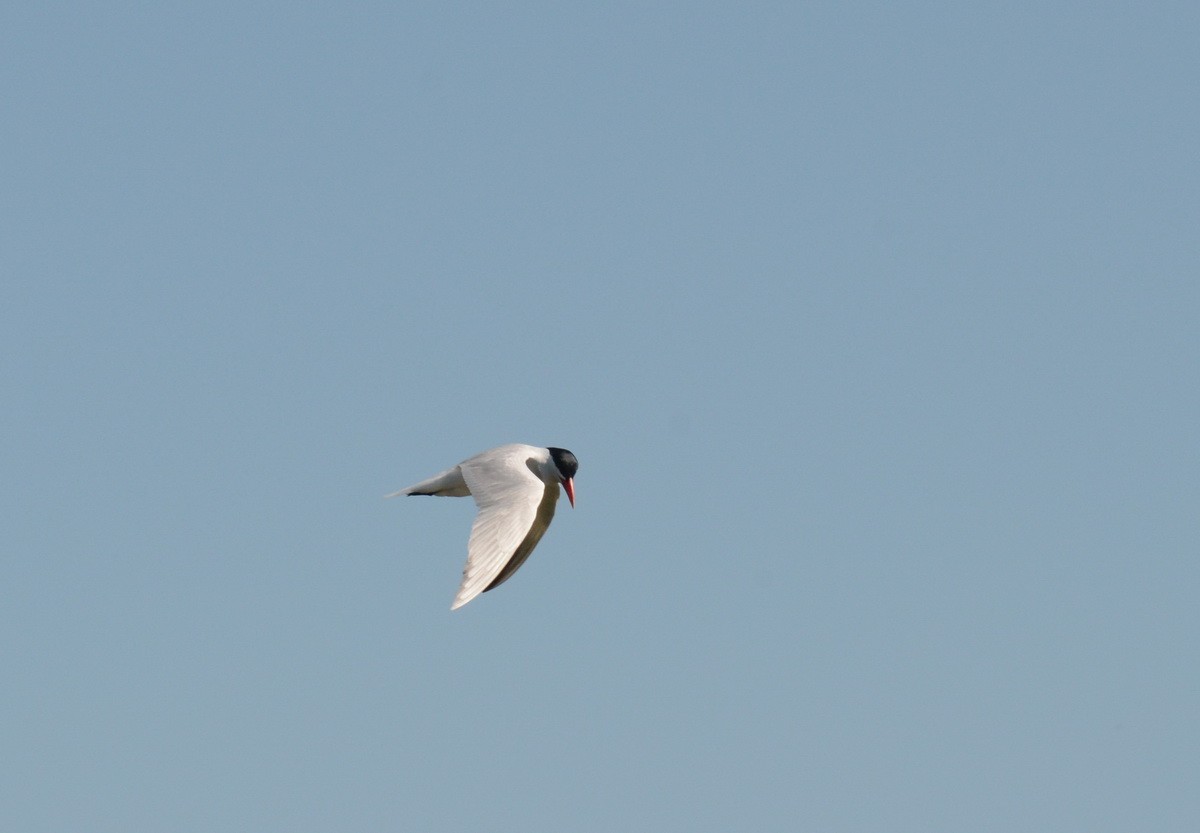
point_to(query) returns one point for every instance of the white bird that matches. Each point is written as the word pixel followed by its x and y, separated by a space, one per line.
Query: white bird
pixel 515 487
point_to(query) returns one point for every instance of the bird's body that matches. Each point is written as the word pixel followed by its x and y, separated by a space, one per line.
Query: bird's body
pixel 515 488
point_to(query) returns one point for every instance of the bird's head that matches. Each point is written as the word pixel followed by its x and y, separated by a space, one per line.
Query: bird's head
pixel 567 465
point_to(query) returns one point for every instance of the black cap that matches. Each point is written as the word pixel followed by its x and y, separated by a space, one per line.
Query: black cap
pixel 565 461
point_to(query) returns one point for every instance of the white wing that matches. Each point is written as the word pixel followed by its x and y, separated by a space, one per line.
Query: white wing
pixel 515 508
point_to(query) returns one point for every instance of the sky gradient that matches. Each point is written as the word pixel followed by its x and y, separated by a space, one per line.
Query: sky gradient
pixel 875 329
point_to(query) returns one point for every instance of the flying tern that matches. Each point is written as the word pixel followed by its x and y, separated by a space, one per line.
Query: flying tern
pixel 515 487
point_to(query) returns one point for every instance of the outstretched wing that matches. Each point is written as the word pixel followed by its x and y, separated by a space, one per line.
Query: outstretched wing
pixel 515 508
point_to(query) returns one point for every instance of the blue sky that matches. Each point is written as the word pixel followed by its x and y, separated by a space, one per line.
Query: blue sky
pixel 874 328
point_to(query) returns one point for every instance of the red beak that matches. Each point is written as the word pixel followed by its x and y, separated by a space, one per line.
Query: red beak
pixel 569 485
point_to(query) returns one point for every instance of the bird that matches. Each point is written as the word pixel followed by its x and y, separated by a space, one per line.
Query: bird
pixel 515 488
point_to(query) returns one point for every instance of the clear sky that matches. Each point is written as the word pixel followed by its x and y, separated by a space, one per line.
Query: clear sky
pixel 875 328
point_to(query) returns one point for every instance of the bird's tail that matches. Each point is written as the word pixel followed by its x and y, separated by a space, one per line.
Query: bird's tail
pixel 449 483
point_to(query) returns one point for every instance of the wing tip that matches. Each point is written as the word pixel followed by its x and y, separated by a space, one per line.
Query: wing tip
pixel 464 596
